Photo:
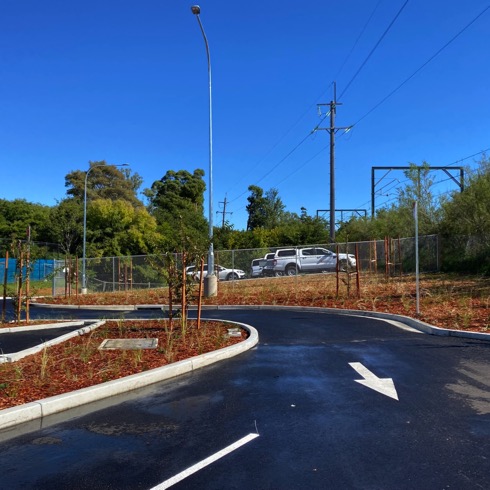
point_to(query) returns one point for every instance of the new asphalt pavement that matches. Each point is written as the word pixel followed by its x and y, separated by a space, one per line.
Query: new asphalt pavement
pixel 325 400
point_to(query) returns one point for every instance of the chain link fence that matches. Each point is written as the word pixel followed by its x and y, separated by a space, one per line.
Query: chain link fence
pixel 390 256
pixel 111 274
pixel 21 258
pixel 466 253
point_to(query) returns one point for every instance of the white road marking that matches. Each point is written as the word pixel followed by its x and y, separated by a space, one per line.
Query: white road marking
pixel 385 386
pixel 392 322
pixel 205 462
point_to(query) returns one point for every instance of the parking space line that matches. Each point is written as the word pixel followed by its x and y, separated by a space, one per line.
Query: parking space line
pixel 205 462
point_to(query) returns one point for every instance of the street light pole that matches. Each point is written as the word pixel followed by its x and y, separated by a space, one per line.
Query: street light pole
pixel 210 281
pixel 84 276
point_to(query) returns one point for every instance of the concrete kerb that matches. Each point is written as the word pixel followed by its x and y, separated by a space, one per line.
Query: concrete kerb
pixel 42 408
pixel 48 406
pixel 88 326
pixel 406 320
pixel 411 322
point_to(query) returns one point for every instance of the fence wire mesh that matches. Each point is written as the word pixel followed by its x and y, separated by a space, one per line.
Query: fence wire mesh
pixel 111 274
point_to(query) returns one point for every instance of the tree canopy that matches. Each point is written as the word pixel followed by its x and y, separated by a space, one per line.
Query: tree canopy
pixel 174 219
pixel 104 181
pixel 116 228
pixel 17 215
pixel 264 210
pixel 177 203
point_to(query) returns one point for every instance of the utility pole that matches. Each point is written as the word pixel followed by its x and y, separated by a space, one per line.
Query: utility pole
pixel 332 130
pixel 224 212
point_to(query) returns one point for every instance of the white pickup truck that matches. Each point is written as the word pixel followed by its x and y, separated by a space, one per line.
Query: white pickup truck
pixel 291 261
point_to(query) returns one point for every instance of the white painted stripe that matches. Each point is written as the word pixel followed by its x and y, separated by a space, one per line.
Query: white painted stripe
pixel 205 462
pixel 384 386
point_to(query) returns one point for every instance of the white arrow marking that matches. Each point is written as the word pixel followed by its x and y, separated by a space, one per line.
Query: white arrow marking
pixel 384 386
pixel 205 462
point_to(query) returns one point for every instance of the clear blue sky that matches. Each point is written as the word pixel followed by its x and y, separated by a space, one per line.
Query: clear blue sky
pixel 126 82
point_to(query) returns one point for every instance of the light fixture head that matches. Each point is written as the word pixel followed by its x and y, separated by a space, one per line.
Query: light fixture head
pixel 196 10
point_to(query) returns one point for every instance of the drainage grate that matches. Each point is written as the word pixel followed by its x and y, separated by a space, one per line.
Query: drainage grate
pixel 128 344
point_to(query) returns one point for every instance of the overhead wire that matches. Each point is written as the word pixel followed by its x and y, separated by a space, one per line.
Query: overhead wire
pixel 348 85
pixel 435 183
pixel 298 168
pixel 352 79
pixel 277 143
pixel 357 40
pixel 439 51
pixel 373 49
pixel 282 160
pixel 309 108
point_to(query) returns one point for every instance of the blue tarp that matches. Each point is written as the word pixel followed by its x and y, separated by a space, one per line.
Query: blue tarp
pixel 40 269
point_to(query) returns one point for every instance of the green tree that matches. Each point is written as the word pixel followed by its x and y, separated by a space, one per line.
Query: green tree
pixel 66 220
pixel 465 226
pixel 468 212
pixel 17 215
pixel 264 211
pixel 419 188
pixel 256 208
pixel 116 228
pixel 177 203
pixel 302 230
pixel 105 181
pixel 397 219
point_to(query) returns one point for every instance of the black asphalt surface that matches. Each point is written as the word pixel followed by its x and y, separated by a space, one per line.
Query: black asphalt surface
pixel 18 341
pixel 318 428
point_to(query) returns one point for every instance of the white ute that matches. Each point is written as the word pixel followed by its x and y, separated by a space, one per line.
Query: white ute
pixel 291 261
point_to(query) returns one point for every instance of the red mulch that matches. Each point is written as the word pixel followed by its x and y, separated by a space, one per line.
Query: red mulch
pixel 77 363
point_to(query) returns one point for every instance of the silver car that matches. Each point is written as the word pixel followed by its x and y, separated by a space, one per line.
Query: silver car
pixel 223 273
pixel 256 267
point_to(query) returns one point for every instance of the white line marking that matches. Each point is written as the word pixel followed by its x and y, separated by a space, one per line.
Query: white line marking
pixel 205 462
pixel 384 386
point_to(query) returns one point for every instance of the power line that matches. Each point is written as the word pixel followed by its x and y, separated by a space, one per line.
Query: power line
pixel 439 182
pixel 332 130
pixel 300 167
pixel 297 169
pixel 470 156
pixel 447 165
pixel 356 41
pixel 278 142
pixel 423 65
pixel 373 49
pixel 224 212
pixel 280 161
pixel 309 108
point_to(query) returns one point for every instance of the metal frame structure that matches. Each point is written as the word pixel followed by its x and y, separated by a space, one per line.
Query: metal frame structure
pixel 460 183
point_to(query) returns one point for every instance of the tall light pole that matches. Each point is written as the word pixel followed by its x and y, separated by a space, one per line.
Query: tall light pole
pixel 84 276
pixel 210 281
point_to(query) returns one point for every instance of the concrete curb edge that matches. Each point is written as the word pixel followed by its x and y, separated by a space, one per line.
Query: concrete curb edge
pixel 411 322
pixel 87 326
pixel 59 403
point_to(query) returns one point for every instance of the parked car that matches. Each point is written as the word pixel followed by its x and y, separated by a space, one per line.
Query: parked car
pixel 257 266
pixel 291 261
pixel 223 273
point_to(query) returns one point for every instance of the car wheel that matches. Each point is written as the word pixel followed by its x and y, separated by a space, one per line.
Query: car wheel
pixel 291 270
pixel 278 274
pixel 232 275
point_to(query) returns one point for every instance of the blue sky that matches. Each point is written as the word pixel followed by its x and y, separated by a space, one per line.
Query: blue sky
pixel 126 82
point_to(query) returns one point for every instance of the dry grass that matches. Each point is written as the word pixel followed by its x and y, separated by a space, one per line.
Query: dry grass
pixel 445 301
pixel 448 301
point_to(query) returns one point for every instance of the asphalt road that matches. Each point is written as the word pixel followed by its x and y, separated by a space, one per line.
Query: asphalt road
pixel 298 390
